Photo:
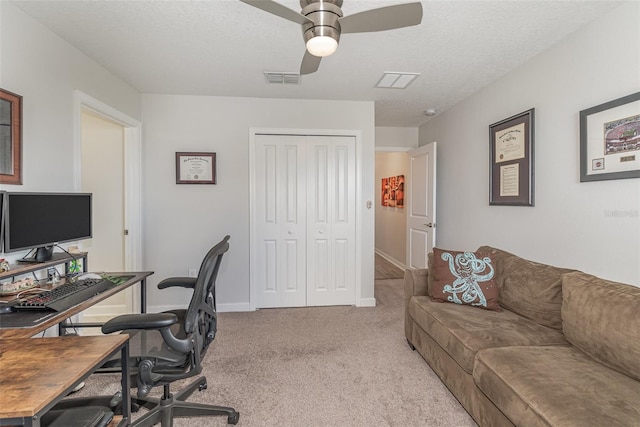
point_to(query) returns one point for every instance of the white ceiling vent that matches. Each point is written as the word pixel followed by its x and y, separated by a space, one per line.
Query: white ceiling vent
pixel 393 80
pixel 282 78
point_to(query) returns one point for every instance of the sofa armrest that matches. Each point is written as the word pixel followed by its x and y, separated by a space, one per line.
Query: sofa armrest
pixel 415 283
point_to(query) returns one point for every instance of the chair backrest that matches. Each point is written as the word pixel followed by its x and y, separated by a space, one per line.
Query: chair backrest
pixel 201 318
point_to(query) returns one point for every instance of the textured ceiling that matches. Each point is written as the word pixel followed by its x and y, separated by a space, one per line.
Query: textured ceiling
pixel 222 47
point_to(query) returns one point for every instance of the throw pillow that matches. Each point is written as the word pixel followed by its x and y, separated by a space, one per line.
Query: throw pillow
pixel 464 278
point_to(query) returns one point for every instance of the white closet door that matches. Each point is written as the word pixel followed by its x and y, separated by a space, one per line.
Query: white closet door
pixel 331 194
pixel 280 252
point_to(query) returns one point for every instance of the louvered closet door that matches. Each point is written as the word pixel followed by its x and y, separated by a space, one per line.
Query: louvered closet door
pixel 280 245
pixel 331 194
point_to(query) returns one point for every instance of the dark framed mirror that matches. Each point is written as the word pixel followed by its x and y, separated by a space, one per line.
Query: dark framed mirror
pixel 10 138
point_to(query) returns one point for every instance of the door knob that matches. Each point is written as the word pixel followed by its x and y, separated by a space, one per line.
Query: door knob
pixel 430 225
pixel 290 232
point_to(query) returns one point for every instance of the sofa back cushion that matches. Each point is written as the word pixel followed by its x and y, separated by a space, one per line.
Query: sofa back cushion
pixel 532 290
pixel 600 317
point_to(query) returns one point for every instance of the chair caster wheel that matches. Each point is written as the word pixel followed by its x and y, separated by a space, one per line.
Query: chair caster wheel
pixel 202 387
pixel 233 419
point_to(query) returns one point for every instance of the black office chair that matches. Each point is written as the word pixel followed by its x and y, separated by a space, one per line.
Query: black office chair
pixel 169 346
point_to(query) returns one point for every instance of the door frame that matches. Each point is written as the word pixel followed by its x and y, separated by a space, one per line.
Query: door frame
pixel 132 176
pixel 360 302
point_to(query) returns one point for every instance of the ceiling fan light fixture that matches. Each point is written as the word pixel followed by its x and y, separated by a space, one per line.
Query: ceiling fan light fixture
pixel 322 46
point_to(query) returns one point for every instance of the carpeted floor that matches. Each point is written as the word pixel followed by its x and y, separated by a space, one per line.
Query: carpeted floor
pixel 319 366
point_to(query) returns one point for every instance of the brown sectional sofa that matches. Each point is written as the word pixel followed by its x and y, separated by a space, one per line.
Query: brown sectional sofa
pixel 564 350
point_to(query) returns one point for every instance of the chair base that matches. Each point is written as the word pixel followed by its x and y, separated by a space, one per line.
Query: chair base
pixel 170 406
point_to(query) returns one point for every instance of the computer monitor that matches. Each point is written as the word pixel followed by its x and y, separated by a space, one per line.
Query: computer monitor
pixel 41 220
pixel 1 221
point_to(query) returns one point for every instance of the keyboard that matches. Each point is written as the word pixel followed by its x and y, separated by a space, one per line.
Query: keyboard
pixel 65 296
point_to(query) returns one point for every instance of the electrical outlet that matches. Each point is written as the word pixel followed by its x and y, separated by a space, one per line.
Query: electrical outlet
pixel 193 272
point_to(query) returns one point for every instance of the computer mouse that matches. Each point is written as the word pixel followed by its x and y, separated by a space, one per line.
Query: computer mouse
pixel 5 308
pixel 89 276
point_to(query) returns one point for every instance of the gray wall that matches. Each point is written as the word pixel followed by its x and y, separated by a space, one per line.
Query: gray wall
pixel 183 221
pixel 595 226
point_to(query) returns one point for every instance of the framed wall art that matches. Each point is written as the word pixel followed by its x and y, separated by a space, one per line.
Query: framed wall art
pixel 195 168
pixel 392 191
pixel 610 140
pixel 10 138
pixel 511 172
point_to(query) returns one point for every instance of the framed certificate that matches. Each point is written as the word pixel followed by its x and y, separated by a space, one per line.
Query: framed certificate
pixel 610 140
pixel 195 168
pixel 511 166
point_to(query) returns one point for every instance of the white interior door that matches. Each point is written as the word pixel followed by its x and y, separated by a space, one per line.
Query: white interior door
pixel 421 205
pixel 304 220
pixel 279 200
pixel 331 220
pixel 103 176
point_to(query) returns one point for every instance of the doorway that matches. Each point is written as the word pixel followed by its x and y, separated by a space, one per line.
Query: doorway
pixel 391 170
pixel 113 138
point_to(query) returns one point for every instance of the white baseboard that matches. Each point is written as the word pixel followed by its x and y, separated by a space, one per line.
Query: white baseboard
pixel 391 259
pixel 366 302
pixel 222 308
pixel 234 307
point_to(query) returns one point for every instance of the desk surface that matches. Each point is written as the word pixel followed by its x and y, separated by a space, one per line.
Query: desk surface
pixel 36 371
pixel 24 324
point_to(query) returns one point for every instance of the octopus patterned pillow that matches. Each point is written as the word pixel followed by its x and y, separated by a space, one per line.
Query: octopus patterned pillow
pixel 464 278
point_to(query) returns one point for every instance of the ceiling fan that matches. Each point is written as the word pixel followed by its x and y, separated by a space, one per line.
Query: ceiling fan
pixel 322 23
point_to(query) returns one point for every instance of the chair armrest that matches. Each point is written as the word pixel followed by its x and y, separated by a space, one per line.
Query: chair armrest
pixel 139 321
pixel 181 282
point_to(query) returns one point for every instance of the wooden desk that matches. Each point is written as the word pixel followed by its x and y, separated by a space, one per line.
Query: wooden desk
pixel 36 373
pixel 24 324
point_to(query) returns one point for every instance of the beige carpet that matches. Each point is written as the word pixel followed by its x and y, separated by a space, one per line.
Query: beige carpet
pixel 325 366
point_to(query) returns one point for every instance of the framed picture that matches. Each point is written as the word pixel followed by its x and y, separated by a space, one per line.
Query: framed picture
pixel 195 168
pixel 511 172
pixel 392 191
pixel 10 138
pixel 610 140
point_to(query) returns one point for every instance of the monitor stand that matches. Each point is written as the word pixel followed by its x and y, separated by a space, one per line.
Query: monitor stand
pixel 43 254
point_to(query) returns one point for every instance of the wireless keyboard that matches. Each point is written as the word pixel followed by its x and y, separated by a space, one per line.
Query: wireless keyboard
pixel 65 296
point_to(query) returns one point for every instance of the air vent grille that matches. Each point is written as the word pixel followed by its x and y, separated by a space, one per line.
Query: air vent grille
pixel 394 80
pixel 282 78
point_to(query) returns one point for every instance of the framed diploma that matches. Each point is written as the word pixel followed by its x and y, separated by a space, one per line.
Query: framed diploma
pixel 610 140
pixel 195 168
pixel 511 160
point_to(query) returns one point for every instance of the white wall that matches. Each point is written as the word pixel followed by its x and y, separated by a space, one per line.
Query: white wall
pixel 44 69
pixel 183 221
pixel 396 138
pixel 595 226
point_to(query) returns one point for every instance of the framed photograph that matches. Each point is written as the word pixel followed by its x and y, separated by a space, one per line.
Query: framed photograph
pixel 511 171
pixel 610 140
pixel 392 194
pixel 195 168
pixel 10 138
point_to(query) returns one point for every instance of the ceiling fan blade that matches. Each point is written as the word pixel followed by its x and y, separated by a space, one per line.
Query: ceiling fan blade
pixel 278 10
pixel 382 19
pixel 310 63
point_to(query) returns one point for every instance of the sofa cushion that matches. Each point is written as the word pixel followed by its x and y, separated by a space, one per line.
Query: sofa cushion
pixel 556 386
pixel 464 278
pixel 532 290
pixel 602 319
pixel 462 330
